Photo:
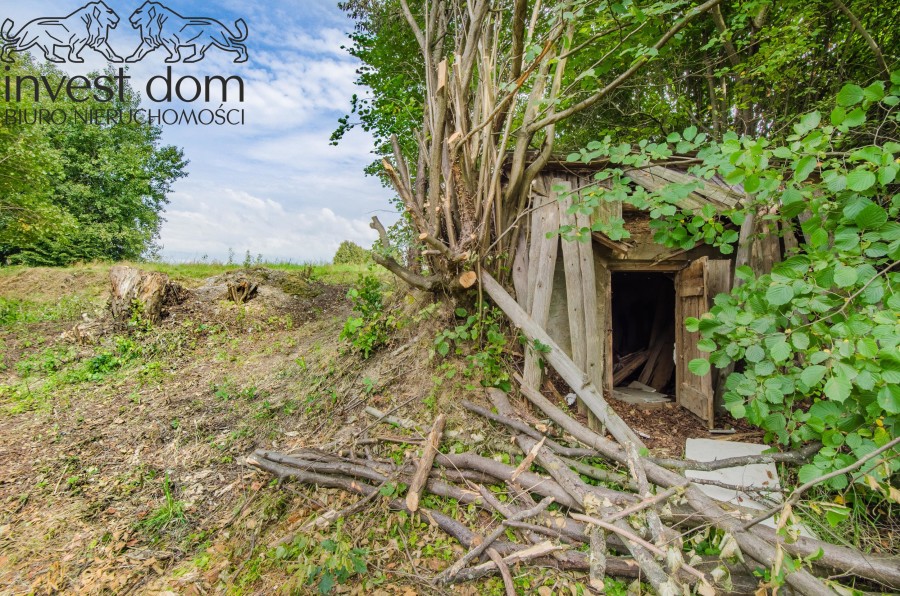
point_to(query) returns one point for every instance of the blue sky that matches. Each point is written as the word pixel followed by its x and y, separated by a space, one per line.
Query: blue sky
pixel 275 186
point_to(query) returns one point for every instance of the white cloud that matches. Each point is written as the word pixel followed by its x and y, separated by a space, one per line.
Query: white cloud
pixel 205 225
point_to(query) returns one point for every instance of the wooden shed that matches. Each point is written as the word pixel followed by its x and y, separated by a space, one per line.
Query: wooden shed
pixel 618 308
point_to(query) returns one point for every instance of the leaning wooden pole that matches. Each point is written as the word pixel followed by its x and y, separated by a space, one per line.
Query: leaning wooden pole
pixel 560 361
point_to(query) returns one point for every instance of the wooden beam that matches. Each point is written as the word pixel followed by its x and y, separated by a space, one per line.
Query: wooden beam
pixel 662 266
pixel 560 362
pixel 619 247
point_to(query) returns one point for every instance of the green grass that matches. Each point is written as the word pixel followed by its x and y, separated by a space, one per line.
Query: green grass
pixel 169 515
pixel 15 311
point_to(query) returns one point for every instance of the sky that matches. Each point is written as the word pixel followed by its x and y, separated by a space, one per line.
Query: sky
pixel 274 186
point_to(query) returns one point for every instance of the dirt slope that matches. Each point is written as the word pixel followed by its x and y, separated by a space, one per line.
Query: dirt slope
pixel 120 461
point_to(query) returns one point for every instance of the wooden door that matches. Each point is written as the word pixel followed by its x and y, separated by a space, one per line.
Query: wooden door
pixel 695 287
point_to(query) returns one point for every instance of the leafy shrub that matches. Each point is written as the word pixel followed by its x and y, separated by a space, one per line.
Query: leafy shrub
pixel 815 342
pixel 372 327
pixel 324 564
pixel 350 253
pixel 479 337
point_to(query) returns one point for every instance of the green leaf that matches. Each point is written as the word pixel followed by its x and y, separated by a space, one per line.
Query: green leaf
pixel 835 514
pixel 860 180
pixel 706 345
pixel 699 366
pixel 808 473
pixel 850 95
pixel 755 353
pixel 813 375
pixel 874 92
pixel 871 217
pixel 818 238
pixel 800 340
pixel 690 133
pixel 838 388
pixel 807 123
pixel 844 277
pixel 779 294
pixel 805 167
pixel 780 352
pixel 837 115
pixel 889 399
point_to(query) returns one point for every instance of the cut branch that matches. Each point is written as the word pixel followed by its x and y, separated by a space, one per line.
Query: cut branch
pixel 424 466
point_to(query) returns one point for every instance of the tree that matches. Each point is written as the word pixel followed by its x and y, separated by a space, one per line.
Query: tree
pixel 82 191
pixel 506 85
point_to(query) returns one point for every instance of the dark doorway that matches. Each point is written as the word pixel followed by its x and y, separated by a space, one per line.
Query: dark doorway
pixel 643 324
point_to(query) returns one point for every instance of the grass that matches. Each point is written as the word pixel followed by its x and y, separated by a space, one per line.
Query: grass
pixel 18 311
pixel 168 515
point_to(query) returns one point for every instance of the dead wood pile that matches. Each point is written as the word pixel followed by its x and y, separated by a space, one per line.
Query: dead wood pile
pixel 562 521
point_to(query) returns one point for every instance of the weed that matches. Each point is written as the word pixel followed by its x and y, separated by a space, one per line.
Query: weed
pixel 324 564
pixel 169 514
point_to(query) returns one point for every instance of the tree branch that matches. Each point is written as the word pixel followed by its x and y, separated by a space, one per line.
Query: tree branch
pixel 429 284
pixel 879 57
pixel 640 62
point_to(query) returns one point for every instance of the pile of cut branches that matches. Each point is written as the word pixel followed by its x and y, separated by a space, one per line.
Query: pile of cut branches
pixel 564 522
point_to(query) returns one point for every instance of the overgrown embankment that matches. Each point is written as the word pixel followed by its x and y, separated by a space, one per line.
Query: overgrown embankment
pixel 121 451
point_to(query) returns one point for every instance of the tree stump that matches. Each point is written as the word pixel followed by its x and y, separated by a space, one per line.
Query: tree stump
pixel 143 292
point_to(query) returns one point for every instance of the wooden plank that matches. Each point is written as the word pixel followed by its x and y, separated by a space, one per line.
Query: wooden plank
pixel 661 266
pixel 572 267
pixel 574 287
pixel 603 280
pixel 694 400
pixel 665 363
pixel 606 210
pixel 561 363
pixel 656 344
pixel 542 292
pixel 534 247
pixel 690 386
pixel 630 363
pixel 520 270
pixel 594 328
pixel 791 245
pixel 654 178
pixel 654 183
pixel 619 248
pixel 719 281
pixel 719 196
pixel 766 249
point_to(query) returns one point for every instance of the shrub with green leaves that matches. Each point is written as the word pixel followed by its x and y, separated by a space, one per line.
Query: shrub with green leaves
pixel 372 327
pixel 480 339
pixel 816 342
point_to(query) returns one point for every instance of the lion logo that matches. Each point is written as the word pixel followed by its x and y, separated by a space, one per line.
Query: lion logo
pixel 87 27
pixel 163 27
